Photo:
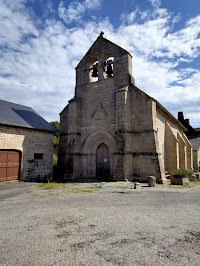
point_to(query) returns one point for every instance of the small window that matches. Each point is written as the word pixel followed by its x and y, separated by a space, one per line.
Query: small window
pixel 38 156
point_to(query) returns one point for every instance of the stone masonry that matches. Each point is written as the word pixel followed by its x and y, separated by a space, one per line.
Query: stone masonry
pixel 29 142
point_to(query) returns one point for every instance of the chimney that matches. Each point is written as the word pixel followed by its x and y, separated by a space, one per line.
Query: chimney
pixel 180 116
pixel 187 121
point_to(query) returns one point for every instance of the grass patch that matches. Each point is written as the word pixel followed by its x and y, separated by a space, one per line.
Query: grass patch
pixel 179 186
pixel 5 183
pixel 94 186
pixel 189 246
pixel 192 184
pixel 50 185
pixel 81 191
pixel 122 187
pixel 90 189
pixel 53 194
pixel 197 182
pixel 68 187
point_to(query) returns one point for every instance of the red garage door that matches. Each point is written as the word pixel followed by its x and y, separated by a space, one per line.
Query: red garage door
pixel 9 165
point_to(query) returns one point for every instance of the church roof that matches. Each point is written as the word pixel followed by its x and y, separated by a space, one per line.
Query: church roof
pixel 13 114
pixel 195 143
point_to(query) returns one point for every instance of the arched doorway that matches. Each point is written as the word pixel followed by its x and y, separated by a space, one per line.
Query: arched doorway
pixel 103 162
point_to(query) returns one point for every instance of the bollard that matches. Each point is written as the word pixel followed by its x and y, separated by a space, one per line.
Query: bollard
pixel 137 186
pixel 152 181
pixel 103 184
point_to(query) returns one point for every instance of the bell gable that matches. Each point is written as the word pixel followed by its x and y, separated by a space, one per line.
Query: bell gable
pixel 104 60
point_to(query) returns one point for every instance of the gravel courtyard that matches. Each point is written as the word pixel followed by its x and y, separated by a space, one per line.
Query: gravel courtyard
pixel 111 226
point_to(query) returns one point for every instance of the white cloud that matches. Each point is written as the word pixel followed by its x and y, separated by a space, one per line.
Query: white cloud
pixel 185 41
pixel 92 4
pixel 76 10
pixel 184 96
pixel 129 18
pixel 153 37
pixel 15 23
pixel 155 3
pixel 39 71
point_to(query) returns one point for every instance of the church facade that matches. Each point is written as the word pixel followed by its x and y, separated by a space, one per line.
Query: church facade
pixel 111 130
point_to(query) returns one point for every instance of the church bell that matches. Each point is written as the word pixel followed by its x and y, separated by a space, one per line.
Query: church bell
pixel 109 70
pixel 95 72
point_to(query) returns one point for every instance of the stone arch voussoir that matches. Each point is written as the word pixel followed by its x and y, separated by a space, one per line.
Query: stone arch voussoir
pixel 92 142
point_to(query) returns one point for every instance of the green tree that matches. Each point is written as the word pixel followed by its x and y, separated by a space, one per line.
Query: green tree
pixel 56 139
pixel 56 124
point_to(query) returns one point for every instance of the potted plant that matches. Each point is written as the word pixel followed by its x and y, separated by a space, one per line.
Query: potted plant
pixel 180 177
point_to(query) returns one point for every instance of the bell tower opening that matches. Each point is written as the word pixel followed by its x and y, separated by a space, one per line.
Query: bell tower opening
pixel 93 70
pixel 103 162
pixel 108 66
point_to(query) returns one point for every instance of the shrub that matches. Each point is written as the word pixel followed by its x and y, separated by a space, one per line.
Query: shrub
pixel 190 172
pixel 180 173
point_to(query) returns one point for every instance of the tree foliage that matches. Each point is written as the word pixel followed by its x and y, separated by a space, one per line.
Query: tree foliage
pixel 56 125
pixel 56 139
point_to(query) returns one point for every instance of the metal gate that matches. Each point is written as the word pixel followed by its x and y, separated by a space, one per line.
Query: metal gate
pixel 9 165
pixel 103 162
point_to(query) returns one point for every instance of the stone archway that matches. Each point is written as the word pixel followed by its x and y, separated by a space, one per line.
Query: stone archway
pixel 89 150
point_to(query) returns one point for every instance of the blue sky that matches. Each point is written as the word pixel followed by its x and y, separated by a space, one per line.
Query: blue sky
pixel 42 41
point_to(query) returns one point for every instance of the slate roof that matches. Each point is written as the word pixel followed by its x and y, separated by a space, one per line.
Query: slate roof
pixel 19 115
pixel 195 143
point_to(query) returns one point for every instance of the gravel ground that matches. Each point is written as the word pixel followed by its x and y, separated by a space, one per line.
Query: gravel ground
pixel 11 189
pixel 112 226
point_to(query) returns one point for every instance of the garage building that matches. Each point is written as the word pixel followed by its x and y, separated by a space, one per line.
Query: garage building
pixel 26 144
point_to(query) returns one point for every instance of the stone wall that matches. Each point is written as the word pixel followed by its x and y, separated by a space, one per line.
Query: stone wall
pixel 174 147
pixel 189 154
pixel 196 159
pixel 29 142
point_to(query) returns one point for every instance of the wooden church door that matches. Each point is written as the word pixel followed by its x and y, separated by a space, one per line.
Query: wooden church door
pixel 103 162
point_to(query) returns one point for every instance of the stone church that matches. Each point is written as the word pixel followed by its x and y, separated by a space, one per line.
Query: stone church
pixel 111 130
